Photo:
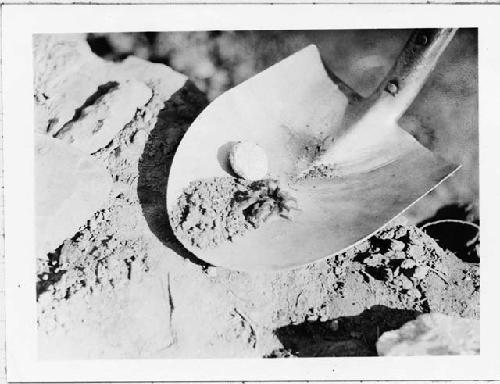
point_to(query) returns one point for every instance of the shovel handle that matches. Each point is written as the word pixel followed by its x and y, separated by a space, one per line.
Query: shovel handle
pixel 412 67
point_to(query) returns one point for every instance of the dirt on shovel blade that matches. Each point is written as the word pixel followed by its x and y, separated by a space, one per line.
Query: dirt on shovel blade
pixel 220 209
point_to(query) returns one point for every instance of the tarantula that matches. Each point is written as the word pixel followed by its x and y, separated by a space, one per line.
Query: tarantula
pixel 262 200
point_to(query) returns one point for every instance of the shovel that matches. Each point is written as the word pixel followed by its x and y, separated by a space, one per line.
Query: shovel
pixel 305 117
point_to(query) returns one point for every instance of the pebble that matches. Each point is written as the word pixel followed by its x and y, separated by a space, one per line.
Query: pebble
pixel 432 334
pixel 334 325
pixel 397 245
pixel 248 160
pixel 406 283
pixel 415 293
pixel 408 263
pixel 420 272
pixel 392 87
pixel 297 321
pixel 62 207
pixel 139 137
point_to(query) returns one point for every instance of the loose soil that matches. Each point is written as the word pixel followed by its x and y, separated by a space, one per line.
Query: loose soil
pixel 124 287
pixel 220 209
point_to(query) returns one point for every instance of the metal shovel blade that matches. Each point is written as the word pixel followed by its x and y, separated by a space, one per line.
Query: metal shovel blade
pixel 288 109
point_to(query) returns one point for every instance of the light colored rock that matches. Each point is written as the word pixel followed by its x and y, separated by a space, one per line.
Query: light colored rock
pixel 69 187
pixel 140 322
pixel 420 272
pixel 248 160
pixel 432 334
pixel 67 74
pixel 86 100
pixel 102 120
pixel 82 99
pixel 140 137
pixel 163 79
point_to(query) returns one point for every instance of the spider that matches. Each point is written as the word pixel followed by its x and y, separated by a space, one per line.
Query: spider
pixel 264 199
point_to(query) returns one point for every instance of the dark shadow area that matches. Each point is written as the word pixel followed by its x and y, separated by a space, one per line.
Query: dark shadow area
pixel 451 211
pixel 223 157
pixel 52 274
pixel 146 42
pixel 454 230
pixel 344 336
pixel 154 165
pixel 54 269
pixel 460 238
pixel 100 45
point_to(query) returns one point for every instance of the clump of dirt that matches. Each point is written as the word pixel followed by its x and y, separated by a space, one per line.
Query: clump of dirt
pixel 203 215
pixel 320 171
pixel 397 258
pixel 220 209
pixel 109 258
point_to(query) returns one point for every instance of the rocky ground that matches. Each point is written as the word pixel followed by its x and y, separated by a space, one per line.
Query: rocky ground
pixel 123 287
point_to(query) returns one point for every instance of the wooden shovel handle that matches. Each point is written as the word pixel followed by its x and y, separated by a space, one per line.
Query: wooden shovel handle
pixel 407 77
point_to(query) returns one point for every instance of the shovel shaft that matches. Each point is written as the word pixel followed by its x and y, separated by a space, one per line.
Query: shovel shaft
pixel 406 78
pixel 369 124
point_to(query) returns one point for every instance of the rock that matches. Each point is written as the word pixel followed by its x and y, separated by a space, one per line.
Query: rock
pixel 432 334
pixel 86 100
pixel 163 79
pixel 100 121
pixel 334 325
pixel 69 187
pixel 67 74
pixel 420 272
pixel 408 264
pixel 248 160
pixel 406 283
pixel 140 138
pixel 397 245
pixel 414 292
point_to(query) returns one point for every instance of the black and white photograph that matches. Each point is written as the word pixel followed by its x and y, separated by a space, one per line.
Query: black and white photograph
pixel 254 194
pixel 251 193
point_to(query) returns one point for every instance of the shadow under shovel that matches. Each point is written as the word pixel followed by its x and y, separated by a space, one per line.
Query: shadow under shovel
pixel 154 165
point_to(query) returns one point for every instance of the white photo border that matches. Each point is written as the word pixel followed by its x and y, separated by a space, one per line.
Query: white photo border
pixel 20 22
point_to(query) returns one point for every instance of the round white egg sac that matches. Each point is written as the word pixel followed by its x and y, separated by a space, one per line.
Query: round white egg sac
pixel 248 160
